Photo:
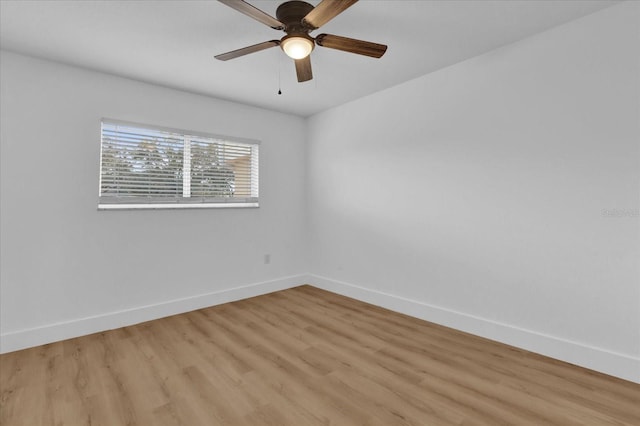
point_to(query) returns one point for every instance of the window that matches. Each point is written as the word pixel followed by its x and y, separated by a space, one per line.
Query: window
pixel 151 167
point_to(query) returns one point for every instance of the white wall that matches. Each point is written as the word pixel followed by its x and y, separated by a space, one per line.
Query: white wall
pixel 473 196
pixel 68 269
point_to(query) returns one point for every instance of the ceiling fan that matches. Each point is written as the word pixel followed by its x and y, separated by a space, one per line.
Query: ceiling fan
pixel 297 19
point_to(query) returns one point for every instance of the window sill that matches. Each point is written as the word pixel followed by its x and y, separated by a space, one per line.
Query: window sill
pixel 176 206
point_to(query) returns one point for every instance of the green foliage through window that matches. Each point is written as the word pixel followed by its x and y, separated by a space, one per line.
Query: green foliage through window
pixel 143 165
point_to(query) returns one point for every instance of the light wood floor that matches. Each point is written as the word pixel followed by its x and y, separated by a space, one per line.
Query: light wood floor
pixel 301 357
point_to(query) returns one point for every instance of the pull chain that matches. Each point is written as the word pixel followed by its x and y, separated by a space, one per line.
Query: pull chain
pixel 279 71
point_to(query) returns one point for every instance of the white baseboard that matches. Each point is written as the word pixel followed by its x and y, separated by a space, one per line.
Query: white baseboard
pixel 598 359
pixel 22 339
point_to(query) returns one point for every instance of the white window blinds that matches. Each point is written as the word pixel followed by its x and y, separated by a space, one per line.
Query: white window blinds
pixel 149 167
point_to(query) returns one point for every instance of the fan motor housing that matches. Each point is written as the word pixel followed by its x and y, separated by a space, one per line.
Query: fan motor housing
pixel 290 13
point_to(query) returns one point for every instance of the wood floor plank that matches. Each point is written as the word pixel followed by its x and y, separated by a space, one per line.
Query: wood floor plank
pixel 301 357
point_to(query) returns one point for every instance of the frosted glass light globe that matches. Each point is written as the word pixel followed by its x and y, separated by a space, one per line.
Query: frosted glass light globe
pixel 297 47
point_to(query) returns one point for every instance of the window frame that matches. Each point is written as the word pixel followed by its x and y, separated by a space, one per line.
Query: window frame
pixel 135 203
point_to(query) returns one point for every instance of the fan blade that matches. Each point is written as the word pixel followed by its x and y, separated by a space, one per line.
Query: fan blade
pixel 255 13
pixel 303 69
pixel 352 45
pixel 326 11
pixel 246 50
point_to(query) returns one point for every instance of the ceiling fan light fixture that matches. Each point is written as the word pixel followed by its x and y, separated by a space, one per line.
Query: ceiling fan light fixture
pixel 297 46
pixel 297 18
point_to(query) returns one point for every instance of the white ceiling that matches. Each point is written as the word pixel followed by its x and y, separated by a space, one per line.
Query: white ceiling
pixel 173 43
